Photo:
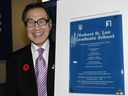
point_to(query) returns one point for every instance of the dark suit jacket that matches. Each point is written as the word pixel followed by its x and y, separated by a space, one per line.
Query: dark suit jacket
pixel 21 80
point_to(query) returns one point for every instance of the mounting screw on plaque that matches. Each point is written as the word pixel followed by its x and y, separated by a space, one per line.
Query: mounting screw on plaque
pixel 119 92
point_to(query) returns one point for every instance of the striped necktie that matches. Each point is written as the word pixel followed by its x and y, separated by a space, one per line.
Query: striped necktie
pixel 41 73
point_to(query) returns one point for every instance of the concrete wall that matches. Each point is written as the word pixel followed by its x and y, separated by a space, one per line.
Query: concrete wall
pixel 66 11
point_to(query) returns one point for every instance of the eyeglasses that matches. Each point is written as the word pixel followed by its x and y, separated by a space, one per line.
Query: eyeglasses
pixel 40 22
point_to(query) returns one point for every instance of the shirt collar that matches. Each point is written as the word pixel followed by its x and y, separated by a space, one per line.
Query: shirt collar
pixel 44 46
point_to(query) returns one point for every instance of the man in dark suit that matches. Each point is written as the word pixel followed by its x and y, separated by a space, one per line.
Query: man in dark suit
pixel 21 74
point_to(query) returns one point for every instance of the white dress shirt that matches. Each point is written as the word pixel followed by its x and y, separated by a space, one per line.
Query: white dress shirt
pixel 35 52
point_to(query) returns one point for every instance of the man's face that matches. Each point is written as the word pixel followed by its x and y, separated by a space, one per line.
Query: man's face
pixel 38 34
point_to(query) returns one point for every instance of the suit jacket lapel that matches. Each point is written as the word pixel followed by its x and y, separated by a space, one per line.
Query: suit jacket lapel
pixel 51 69
pixel 31 73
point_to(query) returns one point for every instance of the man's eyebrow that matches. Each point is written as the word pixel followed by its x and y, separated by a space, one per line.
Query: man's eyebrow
pixel 28 19
pixel 38 19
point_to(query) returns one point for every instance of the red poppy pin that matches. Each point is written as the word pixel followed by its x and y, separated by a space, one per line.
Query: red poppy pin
pixel 26 67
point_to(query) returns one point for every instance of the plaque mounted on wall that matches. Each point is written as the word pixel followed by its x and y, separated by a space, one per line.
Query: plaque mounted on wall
pixel 96 55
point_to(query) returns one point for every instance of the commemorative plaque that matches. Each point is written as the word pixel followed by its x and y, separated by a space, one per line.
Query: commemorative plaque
pixel 96 56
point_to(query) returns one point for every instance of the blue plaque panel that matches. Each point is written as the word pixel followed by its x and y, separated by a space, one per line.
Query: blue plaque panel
pixel 96 56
